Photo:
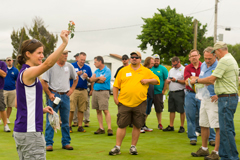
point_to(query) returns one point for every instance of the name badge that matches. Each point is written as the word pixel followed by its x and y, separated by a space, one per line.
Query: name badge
pixel 76 69
pixel 128 74
pixel 66 69
pixel 193 74
pixel 202 73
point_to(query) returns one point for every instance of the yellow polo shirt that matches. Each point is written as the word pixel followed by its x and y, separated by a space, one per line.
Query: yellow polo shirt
pixel 132 92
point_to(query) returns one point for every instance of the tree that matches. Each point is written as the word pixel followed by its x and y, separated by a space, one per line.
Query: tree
pixel 171 34
pixel 235 51
pixel 39 32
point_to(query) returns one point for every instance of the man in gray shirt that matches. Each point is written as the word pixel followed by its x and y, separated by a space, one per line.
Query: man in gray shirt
pixel 176 94
pixel 55 82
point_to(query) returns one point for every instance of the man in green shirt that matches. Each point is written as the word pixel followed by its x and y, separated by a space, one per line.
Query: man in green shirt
pixel 225 80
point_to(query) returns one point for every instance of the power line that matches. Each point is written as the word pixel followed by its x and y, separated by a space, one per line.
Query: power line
pixel 200 11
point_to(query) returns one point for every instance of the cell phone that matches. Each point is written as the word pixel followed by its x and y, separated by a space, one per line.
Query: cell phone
pixel 170 77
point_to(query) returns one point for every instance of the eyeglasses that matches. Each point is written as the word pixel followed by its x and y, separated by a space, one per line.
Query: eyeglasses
pixel 174 65
pixel 193 56
pixel 32 41
pixel 124 59
pixel 9 60
pixel 135 57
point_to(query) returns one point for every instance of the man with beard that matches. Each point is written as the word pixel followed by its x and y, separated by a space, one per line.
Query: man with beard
pixel 159 90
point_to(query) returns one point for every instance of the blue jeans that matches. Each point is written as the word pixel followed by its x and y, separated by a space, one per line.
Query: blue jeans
pixel 226 109
pixel 149 105
pixel 64 107
pixel 192 106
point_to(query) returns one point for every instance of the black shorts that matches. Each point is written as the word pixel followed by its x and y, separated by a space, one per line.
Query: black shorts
pixel 2 103
pixel 158 102
pixel 176 101
pixel 131 115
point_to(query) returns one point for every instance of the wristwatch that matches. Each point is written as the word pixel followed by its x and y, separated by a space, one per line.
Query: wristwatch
pixel 196 81
pixel 176 80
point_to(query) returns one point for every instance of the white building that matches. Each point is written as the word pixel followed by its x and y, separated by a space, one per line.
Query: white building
pixel 112 61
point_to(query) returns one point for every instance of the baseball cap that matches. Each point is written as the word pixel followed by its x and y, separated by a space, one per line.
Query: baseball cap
pixel 219 45
pixel 156 56
pixel 66 51
pixel 125 57
pixel 76 55
pixel 8 58
pixel 137 53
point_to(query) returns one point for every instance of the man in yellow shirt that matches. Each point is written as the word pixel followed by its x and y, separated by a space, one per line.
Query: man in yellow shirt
pixel 133 82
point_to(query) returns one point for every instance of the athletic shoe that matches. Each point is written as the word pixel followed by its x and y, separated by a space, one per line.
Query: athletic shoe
pixel 181 130
pixel 212 143
pixel 169 128
pixel 6 128
pixel 198 134
pixel 200 153
pixel 80 129
pixel 110 132
pixel 100 131
pixel 86 124
pixel 115 151
pixel 142 130
pixel 133 150
pixel 75 124
pixel 212 156
pixel 8 122
pixel 145 128
pixel 130 125
pixel 193 142
pixel 160 126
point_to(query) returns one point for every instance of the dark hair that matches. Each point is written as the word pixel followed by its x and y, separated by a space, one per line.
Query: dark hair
pixel 147 61
pixel 174 59
pixel 99 58
pixel 82 53
pixel 29 45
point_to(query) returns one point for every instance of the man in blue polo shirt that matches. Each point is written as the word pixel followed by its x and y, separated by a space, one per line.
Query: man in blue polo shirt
pixel 9 90
pixel 100 96
pixel 79 97
pixel 208 116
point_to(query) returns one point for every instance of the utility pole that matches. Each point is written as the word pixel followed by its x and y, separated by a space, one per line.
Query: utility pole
pixel 195 34
pixel 215 22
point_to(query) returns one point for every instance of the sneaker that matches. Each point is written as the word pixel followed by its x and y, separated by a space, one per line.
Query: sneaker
pixel 212 156
pixel 200 153
pixel 70 130
pixel 130 125
pixel 181 130
pixel 6 128
pixel 198 134
pixel 133 150
pixel 75 124
pixel 212 143
pixel 169 128
pixel 193 142
pixel 160 126
pixel 80 129
pixel 86 124
pixel 142 130
pixel 147 129
pixel 100 131
pixel 8 122
pixel 110 132
pixel 115 151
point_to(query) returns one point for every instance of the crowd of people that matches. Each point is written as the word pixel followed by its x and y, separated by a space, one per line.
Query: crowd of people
pixel 206 107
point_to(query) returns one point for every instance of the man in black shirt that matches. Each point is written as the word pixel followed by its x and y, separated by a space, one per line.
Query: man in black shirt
pixel 125 60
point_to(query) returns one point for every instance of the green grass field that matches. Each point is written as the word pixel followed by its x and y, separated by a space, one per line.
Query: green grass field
pixel 151 145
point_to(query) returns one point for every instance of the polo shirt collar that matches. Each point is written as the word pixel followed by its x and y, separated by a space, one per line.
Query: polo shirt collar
pixel 139 69
pixel 199 65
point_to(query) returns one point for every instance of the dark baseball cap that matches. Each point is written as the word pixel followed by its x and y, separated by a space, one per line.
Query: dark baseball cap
pixel 125 57
pixel 76 55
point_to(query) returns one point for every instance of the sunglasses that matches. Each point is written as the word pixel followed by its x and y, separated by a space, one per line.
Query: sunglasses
pixel 124 59
pixel 33 41
pixel 175 65
pixel 9 60
pixel 135 57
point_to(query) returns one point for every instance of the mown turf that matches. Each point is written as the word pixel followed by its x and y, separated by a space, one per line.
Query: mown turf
pixel 151 145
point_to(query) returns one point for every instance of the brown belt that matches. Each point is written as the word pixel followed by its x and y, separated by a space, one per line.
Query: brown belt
pixel 61 93
pixel 228 95
pixel 101 90
pixel 80 89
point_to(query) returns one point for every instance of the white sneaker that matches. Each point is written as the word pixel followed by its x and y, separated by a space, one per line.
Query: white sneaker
pixel 198 134
pixel 142 130
pixel 8 122
pixel 6 128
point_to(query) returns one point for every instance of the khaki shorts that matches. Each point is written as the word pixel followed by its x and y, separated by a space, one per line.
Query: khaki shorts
pixel 131 115
pixel 79 98
pixel 9 97
pixel 208 116
pixel 100 100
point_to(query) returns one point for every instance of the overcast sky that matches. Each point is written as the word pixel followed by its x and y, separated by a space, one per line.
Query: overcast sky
pixel 103 15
